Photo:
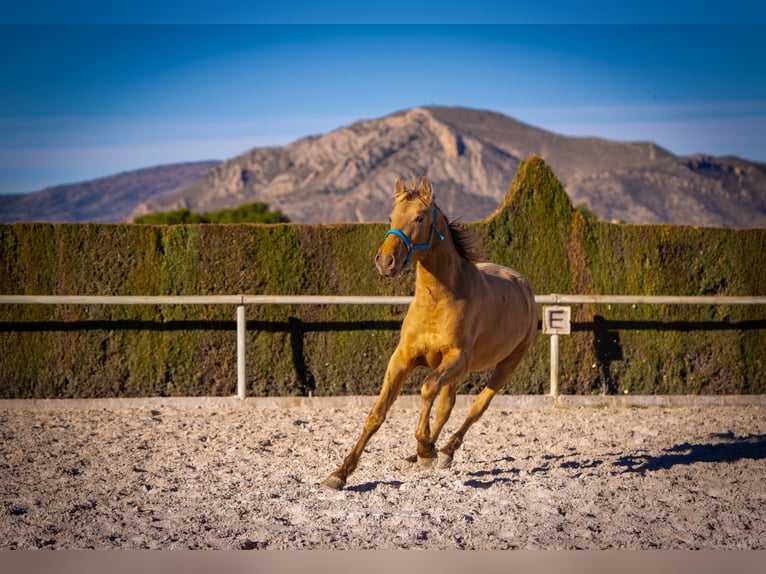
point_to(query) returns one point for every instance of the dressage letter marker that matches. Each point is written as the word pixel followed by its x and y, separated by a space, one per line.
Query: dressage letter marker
pixel 556 321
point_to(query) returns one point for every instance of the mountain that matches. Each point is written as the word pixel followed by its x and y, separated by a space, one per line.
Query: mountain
pixel 471 157
pixel 106 200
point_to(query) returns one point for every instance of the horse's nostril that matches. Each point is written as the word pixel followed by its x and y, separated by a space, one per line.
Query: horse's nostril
pixel 385 262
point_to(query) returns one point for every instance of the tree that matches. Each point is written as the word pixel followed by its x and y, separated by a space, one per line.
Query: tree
pixel 256 212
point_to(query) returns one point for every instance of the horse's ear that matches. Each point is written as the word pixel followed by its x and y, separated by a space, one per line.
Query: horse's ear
pixel 398 186
pixel 425 190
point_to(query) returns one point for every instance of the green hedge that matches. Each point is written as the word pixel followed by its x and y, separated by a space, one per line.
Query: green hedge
pixel 105 351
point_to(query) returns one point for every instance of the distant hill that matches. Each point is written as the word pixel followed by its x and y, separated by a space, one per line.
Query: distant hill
pixel 105 200
pixel 471 157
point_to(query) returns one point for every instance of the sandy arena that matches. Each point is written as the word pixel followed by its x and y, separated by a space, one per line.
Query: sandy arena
pixel 174 474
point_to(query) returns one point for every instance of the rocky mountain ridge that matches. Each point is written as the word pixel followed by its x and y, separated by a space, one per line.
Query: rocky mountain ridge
pixel 471 156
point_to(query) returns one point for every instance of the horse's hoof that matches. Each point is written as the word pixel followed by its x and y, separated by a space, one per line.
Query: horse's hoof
pixel 426 462
pixel 412 459
pixel 334 482
pixel 444 460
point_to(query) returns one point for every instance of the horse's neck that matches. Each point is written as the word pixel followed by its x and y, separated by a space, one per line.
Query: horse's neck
pixel 439 272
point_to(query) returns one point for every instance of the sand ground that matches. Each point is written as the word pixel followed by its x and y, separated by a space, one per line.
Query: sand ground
pixel 159 473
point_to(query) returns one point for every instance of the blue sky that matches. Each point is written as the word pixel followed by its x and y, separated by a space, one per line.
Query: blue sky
pixel 93 89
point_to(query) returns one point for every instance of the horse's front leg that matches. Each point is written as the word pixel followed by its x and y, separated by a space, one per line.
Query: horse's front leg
pixel 452 368
pixel 398 369
pixel 443 410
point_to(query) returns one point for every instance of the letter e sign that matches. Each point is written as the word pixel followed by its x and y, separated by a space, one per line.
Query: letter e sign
pixel 556 320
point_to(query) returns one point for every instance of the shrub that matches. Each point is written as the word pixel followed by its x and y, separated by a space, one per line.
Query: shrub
pixel 95 351
pixel 256 212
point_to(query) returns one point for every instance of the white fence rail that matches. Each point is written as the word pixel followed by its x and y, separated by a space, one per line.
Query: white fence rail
pixel 358 300
pixel 240 301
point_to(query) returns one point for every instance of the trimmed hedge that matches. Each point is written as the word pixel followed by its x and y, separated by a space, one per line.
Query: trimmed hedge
pixel 106 351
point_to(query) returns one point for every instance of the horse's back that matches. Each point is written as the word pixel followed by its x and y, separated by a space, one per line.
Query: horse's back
pixel 516 292
pixel 511 278
pixel 501 271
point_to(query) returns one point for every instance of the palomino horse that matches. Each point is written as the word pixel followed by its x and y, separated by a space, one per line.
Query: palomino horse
pixel 465 317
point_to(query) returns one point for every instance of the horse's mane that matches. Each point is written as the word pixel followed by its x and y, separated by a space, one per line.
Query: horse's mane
pixel 468 243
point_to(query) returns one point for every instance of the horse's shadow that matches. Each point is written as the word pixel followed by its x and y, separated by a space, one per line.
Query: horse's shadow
pixel 499 476
pixel 370 486
pixel 473 483
pixel 723 447
pixel 727 448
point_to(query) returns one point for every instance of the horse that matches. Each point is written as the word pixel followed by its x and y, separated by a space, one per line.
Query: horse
pixel 465 316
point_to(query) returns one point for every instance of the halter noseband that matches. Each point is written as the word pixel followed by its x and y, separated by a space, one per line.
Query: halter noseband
pixel 417 246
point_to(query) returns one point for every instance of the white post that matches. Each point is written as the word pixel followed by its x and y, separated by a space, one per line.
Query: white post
pixel 556 321
pixel 555 365
pixel 241 331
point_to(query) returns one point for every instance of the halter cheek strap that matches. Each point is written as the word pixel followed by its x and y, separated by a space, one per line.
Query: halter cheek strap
pixel 416 246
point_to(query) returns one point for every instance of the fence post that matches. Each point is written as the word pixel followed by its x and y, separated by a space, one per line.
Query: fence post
pixel 555 365
pixel 556 321
pixel 241 331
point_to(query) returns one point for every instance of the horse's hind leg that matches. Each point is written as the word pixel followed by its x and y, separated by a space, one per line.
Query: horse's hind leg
pixel 480 404
pixel 502 372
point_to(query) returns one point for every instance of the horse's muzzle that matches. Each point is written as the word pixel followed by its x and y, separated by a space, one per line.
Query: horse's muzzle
pixel 386 264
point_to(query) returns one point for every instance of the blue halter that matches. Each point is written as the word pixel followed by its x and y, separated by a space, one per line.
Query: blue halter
pixel 417 246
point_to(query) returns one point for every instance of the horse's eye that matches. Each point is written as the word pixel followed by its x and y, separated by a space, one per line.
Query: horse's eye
pixel 419 219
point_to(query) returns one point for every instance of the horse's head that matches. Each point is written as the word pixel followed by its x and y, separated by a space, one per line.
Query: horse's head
pixel 413 228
